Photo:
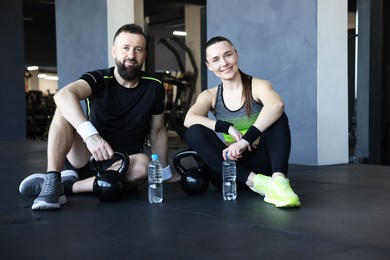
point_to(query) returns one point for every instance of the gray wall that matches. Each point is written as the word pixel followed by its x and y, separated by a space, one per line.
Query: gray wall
pixel 277 41
pixel 12 98
pixel 81 38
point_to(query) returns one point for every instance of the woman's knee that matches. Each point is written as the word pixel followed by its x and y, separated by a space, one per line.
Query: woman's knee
pixel 200 135
pixel 194 131
pixel 280 127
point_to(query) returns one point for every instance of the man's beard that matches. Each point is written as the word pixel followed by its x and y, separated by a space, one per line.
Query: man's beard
pixel 128 74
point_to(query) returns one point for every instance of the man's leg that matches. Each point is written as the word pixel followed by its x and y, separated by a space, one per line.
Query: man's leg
pixel 136 175
pixel 78 157
pixel 31 186
pixel 61 135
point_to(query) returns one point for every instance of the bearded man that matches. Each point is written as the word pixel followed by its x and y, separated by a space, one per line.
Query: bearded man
pixel 124 106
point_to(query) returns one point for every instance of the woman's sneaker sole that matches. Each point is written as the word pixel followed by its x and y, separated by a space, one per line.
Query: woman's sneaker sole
pixel 283 204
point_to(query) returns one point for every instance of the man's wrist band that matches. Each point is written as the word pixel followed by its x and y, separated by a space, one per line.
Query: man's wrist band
pixel 166 173
pixel 222 126
pixel 252 134
pixel 86 130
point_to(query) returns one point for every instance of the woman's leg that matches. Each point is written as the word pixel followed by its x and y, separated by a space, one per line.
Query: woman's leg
pixel 276 141
pixel 270 158
pixel 272 154
pixel 209 148
pixel 278 145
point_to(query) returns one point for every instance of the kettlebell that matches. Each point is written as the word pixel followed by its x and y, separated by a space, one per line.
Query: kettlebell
pixel 195 180
pixel 109 185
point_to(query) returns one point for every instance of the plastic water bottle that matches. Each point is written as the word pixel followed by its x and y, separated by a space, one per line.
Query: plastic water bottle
pixel 155 191
pixel 229 189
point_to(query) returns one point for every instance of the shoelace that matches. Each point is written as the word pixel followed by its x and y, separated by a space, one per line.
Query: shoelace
pixel 262 182
pixel 284 184
pixel 48 186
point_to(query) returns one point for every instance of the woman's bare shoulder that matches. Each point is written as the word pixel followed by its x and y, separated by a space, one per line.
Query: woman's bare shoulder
pixel 258 82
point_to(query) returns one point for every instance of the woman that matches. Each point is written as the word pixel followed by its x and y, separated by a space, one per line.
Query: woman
pixel 250 114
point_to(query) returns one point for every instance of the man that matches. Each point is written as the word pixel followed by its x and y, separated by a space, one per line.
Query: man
pixel 124 106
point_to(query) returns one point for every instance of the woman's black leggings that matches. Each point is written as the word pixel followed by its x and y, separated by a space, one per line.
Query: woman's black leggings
pixel 271 155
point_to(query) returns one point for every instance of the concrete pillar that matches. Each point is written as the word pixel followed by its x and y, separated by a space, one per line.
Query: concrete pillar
pixel 372 115
pixel 193 29
pixel 332 82
pixel 85 30
pixel 12 97
pixel 120 12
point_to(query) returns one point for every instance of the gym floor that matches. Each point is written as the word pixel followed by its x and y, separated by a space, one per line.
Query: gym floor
pixel 344 215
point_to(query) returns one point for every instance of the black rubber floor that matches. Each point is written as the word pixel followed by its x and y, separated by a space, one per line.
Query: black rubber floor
pixel 344 215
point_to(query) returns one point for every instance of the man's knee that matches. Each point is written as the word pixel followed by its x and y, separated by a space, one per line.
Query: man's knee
pixel 138 169
pixel 138 172
pixel 60 121
pixel 79 154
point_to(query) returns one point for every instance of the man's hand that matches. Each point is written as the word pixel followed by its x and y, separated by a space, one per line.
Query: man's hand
pixel 99 148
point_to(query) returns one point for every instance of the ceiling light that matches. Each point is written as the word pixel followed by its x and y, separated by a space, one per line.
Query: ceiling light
pixel 31 68
pixel 179 33
pixel 51 77
pixel 47 77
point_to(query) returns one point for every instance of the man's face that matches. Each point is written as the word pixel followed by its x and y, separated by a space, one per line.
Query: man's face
pixel 129 53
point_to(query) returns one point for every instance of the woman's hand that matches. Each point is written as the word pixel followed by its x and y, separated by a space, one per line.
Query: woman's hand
pixel 235 150
pixel 235 133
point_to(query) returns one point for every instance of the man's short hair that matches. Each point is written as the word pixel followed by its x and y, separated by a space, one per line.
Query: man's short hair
pixel 130 28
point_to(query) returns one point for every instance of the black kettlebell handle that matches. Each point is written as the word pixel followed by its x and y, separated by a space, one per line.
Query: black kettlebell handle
pixel 94 165
pixel 186 153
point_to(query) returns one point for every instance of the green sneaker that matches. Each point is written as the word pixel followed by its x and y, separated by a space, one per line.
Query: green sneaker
pixel 281 194
pixel 260 184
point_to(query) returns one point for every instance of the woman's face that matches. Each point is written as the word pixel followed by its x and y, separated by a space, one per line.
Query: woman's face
pixel 222 59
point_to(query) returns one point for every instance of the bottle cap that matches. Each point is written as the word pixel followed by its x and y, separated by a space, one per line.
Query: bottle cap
pixel 154 156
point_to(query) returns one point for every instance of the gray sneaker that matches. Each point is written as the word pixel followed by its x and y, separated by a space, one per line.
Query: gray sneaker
pixel 69 175
pixel 52 193
pixel 31 186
